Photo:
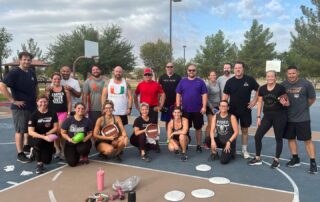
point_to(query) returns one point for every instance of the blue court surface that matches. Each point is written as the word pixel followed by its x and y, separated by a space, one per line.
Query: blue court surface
pixel 296 181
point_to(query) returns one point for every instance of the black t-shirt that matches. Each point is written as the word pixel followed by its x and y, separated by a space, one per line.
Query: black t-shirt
pixel 58 101
pixel 169 85
pixel 23 87
pixel 270 98
pixel 239 91
pixel 73 126
pixel 140 123
pixel 42 122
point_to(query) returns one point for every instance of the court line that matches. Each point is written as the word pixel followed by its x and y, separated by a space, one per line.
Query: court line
pixel 5 143
pixel 51 196
pixel 294 185
pixel 193 176
pixel 56 176
pixel 11 182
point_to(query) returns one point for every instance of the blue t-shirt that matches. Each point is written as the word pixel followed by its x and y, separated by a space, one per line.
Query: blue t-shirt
pixel 191 92
pixel 23 86
pixel 73 126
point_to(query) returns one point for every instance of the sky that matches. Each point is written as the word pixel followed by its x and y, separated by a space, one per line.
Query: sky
pixel 148 20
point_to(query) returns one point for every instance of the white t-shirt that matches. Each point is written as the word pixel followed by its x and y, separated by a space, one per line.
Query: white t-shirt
pixel 118 94
pixel 76 86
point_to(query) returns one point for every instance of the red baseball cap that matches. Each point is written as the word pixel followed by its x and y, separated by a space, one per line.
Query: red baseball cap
pixel 147 71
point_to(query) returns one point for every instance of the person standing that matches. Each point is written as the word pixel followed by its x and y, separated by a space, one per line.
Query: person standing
pixel 23 86
pixel 192 95
pixel 92 91
pixel 118 90
pixel 270 96
pixel 169 82
pixel 238 89
pixel 301 96
pixel 222 80
pixel 71 84
pixel 150 92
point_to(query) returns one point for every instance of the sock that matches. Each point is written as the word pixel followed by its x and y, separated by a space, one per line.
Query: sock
pixel 312 160
pixel 295 156
pixel 244 147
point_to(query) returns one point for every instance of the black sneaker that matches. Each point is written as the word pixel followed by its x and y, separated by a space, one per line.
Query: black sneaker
pixel 199 149
pixel 255 162
pixel 313 168
pixel 177 152
pixel 157 150
pixel 184 157
pixel 39 169
pixel 103 157
pixel 294 162
pixel 213 156
pixel 145 157
pixel 23 158
pixel 275 164
pixel 26 149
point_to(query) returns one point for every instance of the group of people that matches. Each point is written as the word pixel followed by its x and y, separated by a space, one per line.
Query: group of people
pixel 183 102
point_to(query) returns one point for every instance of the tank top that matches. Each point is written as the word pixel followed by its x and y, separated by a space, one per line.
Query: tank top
pixel 224 128
pixel 118 94
pixel 58 101
pixel 173 128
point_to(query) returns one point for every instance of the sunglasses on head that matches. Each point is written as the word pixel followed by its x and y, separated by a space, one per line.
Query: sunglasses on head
pixel 191 70
pixel 147 74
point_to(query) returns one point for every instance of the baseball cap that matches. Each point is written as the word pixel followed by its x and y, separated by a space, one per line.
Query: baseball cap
pixel 147 71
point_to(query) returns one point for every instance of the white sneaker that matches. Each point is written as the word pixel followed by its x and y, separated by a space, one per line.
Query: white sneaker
pixel 61 156
pixel 245 155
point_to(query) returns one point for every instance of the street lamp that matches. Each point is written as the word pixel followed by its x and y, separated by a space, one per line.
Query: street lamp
pixel 95 58
pixel 184 54
pixel 171 27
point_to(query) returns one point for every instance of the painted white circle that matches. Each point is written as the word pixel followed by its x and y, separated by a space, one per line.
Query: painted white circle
pixel 174 195
pixel 219 180
pixel 202 193
pixel 203 167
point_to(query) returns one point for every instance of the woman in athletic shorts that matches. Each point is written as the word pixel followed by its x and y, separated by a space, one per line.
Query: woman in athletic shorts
pixel 42 123
pixel 214 93
pixel 59 102
pixel 77 152
pixel 270 96
pixel 139 138
pixel 109 146
pixel 178 134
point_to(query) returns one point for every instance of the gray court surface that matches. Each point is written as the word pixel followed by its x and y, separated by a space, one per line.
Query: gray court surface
pixel 294 180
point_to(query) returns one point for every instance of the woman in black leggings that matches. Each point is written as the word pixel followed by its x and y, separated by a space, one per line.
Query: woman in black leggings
pixel 272 96
pixel 75 152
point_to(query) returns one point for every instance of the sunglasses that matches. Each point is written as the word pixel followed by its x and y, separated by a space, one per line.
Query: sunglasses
pixel 169 66
pixel 191 70
pixel 148 75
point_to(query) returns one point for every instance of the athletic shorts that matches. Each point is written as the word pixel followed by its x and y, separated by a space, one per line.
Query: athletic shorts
pixel 62 116
pixel 93 116
pixel 245 118
pixel 20 120
pixel 102 141
pixel 195 119
pixel 166 113
pixel 298 130
pixel 153 115
pixel 124 119
pixel 210 112
pixel 176 137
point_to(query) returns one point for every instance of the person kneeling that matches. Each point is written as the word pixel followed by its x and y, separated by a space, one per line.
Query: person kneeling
pixel 226 127
pixel 110 145
pixel 77 126
pixel 178 135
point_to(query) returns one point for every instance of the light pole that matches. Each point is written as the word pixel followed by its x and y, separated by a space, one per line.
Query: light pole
pixel 171 27
pixel 184 54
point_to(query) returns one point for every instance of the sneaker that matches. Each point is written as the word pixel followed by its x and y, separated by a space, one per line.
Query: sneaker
pixel 157 150
pixel 294 162
pixel 26 149
pixel 205 146
pixel 102 156
pixel 61 156
pixel 213 156
pixel 84 159
pixel 145 157
pixel 184 157
pixel 255 162
pixel 177 152
pixel 199 149
pixel 313 168
pixel 118 159
pixel 23 158
pixel 245 155
pixel 275 164
pixel 56 155
pixel 39 169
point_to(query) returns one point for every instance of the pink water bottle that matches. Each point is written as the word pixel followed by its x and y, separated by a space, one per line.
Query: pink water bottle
pixel 100 180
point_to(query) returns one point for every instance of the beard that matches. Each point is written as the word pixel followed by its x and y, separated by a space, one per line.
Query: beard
pixel 226 72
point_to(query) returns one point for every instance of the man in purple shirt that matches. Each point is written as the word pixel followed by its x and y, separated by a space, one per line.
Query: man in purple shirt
pixel 192 95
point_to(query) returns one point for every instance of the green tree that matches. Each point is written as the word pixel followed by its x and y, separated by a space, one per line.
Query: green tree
pixel 113 49
pixel 304 50
pixel 155 55
pixel 5 51
pixel 216 51
pixel 257 48
pixel 32 47
pixel 180 67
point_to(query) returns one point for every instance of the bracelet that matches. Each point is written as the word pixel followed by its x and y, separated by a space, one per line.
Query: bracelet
pixel 229 141
pixel 258 116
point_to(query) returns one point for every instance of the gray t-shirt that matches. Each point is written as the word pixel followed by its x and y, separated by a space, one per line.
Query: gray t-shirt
pixel 299 93
pixel 214 94
pixel 93 88
pixel 222 80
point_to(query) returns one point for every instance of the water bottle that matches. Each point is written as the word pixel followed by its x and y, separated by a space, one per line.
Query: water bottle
pixel 100 180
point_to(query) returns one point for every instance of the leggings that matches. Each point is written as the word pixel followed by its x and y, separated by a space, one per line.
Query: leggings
pixel 73 152
pixel 225 157
pixel 140 141
pixel 276 119
pixel 42 149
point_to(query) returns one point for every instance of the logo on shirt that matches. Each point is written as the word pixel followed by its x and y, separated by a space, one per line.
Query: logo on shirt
pixel 117 90
pixel 245 84
pixel 223 127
